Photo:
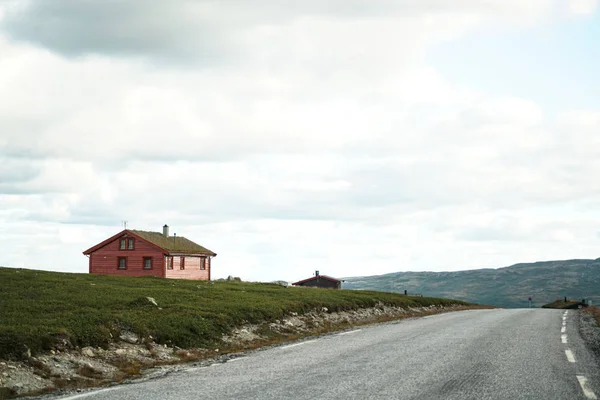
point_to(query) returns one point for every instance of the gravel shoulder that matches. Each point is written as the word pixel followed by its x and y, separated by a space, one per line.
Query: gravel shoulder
pixel 590 332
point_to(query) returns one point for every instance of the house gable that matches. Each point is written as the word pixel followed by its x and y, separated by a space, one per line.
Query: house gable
pixel 117 237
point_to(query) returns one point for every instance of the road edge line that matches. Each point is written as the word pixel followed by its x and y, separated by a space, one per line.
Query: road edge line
pixel 583 383
pixel 570 355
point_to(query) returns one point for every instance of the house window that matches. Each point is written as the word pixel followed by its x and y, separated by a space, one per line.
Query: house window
pixel 122 245
pixel 122 263
pixel 129 244
pixel 182 263
pixel 202 263
pixel 147 262
pixel 169 262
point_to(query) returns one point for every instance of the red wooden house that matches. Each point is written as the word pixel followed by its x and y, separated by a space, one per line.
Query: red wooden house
pixel 320 281
pixel 142 253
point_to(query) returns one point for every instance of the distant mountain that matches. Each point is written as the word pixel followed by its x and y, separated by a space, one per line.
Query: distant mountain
pixel 511 286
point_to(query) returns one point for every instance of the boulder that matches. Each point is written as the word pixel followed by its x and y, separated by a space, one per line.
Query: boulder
pixel 88 352
pixel 151 300
pixel 129 337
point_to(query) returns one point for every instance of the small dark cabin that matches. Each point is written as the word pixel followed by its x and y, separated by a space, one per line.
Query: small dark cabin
pixel 320 281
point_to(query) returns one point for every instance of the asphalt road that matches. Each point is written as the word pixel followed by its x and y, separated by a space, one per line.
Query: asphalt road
pixel 486 354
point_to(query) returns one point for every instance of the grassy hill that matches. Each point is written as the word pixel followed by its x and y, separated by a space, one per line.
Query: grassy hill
pixel 545 282
pixel 564 305
pixel 40 309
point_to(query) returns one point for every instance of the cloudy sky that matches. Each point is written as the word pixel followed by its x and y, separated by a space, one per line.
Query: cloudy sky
pixel 356 137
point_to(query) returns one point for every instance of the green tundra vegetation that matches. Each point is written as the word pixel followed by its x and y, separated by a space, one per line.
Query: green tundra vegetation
pixel 509 287
pixel 39 309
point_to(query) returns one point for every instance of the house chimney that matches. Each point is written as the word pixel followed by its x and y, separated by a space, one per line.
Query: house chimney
pixel 166 230
pixel 317 273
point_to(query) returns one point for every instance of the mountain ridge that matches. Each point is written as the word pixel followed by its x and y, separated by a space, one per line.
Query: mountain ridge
pixel 510 286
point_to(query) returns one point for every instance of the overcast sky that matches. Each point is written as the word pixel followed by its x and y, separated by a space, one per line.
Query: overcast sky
pixel 356 137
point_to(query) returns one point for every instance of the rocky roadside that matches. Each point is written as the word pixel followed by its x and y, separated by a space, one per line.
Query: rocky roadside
pixel 590 331
pixel 131 357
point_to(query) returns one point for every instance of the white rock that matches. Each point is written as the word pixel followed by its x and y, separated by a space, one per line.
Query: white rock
pixel 129 337
pixel 88 352
pixel 151 300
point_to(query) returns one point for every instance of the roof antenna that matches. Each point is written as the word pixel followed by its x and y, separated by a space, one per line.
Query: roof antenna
pixel 124 224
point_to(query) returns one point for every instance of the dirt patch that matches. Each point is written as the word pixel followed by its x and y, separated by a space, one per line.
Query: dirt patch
pixel 17 378
pixel 83 368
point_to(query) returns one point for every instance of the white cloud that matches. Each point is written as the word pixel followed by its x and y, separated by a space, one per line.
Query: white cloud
pixel 211 32
pixel 312 137
pixel 583 7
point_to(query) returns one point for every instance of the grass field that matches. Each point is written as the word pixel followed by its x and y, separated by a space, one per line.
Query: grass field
pixel 39 309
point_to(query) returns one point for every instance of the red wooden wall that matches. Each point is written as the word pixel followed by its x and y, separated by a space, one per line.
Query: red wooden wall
pixel 105 260
pixel 191 269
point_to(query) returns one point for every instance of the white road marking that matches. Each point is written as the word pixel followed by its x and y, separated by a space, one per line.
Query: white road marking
pixel 297 344
pixel 570 356
pixel 349 332
pixel 92 393
pixel 194 369
pixel 587 392
pixel 566 312
pixel 235 359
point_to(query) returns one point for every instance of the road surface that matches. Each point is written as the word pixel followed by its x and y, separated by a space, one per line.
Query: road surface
pixel 483 354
